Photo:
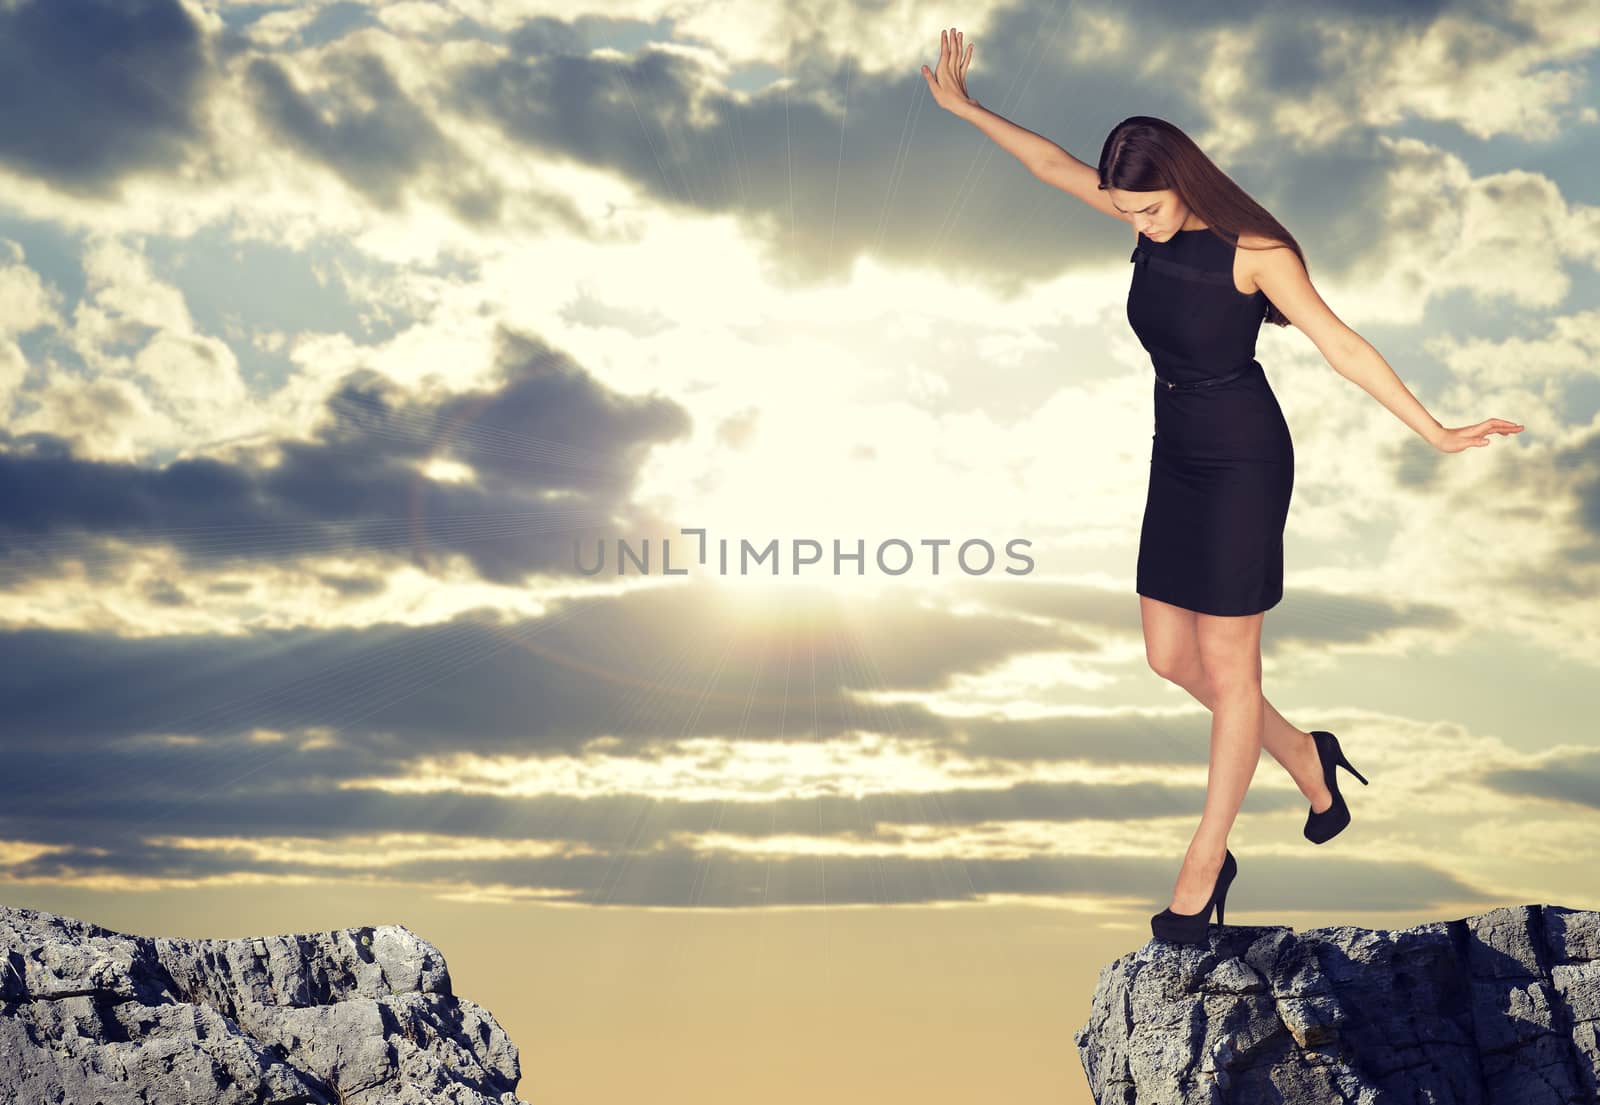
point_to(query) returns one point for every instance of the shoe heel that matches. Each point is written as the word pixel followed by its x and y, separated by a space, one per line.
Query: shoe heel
pixel 1344 763
pixel 1230 868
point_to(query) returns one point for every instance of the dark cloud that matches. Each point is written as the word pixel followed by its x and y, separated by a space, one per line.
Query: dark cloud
pixel 831 163
pixel 634 862
pixel 653 663
pixel 228 587
pixel 1327 196
pixel 544 35
pixel 1580 463
pixel 241 787
pixel 629 676
pixel 163 592
pixel 631 850
pixel 1562 485
pixel 1573 778
pixel 683 878
pixel 1306 614
pixel 91 90
pixel 820 183
pixel 1321 617
pixel 120 738
pixel 775 156
pixel 354 586
pixel 1417 465
pixel 377 138
pixel 1131 738
pixel 633 671
pixel 829 166
pixel 553 452
pixel 837 163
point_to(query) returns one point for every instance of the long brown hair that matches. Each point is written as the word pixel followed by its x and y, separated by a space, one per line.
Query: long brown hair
pixel 1146 154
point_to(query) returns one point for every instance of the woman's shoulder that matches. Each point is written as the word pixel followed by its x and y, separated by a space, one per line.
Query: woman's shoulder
pixel 1253 241
pixel 1254 251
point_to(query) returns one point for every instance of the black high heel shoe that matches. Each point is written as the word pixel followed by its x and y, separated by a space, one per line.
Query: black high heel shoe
pixel 1190 928
pixel 1323 827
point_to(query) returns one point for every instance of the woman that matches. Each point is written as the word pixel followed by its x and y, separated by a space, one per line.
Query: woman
pixel 1210 264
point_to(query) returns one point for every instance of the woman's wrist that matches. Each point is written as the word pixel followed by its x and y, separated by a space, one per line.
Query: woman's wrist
pixel 966 109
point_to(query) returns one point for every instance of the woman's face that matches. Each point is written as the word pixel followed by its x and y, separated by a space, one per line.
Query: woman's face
pixel 1157 215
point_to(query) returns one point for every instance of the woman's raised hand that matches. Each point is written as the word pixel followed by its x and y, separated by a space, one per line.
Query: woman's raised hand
pixel 1462 438
pixel 948 82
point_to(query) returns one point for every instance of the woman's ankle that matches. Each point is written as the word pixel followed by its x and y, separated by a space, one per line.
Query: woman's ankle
pixel 1311 782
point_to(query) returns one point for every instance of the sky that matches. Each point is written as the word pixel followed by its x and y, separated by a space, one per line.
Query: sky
pixel 338 342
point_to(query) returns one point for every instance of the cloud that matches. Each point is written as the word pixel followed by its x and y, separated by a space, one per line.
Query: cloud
pixel 628 870
pixel 683 879
pixel 661 747
pixel 177 825
pixel 91 90
pixel 273 789
pixel 761 756
pixel 376 137
pixel 1549 495
pixel 588 668
pixel 784 157
pixel 357 485
pixel 1572 777
pixel 1311 616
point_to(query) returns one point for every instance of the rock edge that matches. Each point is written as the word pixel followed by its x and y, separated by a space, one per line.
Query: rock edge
pixel 360 1016
pixel 1501 1007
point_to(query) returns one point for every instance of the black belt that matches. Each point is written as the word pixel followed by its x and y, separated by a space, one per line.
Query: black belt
pixel 1212 382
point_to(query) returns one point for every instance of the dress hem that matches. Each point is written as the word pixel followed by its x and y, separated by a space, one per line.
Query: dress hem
pixel 1212 613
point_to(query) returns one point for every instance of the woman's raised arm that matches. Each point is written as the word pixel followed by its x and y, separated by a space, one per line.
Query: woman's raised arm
pixel 1040 156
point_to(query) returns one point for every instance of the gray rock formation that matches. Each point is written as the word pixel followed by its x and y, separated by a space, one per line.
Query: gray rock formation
pixel 359 1016
pixel 1498 1009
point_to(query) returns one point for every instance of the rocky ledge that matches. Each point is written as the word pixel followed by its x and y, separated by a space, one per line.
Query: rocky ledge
pixel 1498 1009
pixel 360 1016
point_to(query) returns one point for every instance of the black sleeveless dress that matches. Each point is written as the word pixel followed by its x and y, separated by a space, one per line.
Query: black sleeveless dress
pixel 1221 460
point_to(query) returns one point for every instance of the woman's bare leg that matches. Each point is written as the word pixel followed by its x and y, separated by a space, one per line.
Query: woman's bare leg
pixel 1173 649
pixel 1218 661
pixel 1230 653
pixel 1291 747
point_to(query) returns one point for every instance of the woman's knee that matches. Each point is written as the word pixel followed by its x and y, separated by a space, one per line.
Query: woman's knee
pixel 1175 667
pixel 1233 675
pixel 1230 651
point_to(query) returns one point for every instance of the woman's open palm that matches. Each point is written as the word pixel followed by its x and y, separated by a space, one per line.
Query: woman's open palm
pixel 1460 438
pixel 948 82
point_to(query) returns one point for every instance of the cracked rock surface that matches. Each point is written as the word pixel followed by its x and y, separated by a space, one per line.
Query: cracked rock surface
pixel 361 1016
pixel 1502 1008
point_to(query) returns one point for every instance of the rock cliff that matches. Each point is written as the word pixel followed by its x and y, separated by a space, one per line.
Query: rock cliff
pixel 1502 1008
pixel 358 1016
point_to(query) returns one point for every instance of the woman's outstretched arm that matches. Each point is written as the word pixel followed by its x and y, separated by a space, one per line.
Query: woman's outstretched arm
pixel 1279 273
pixel 1040 156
